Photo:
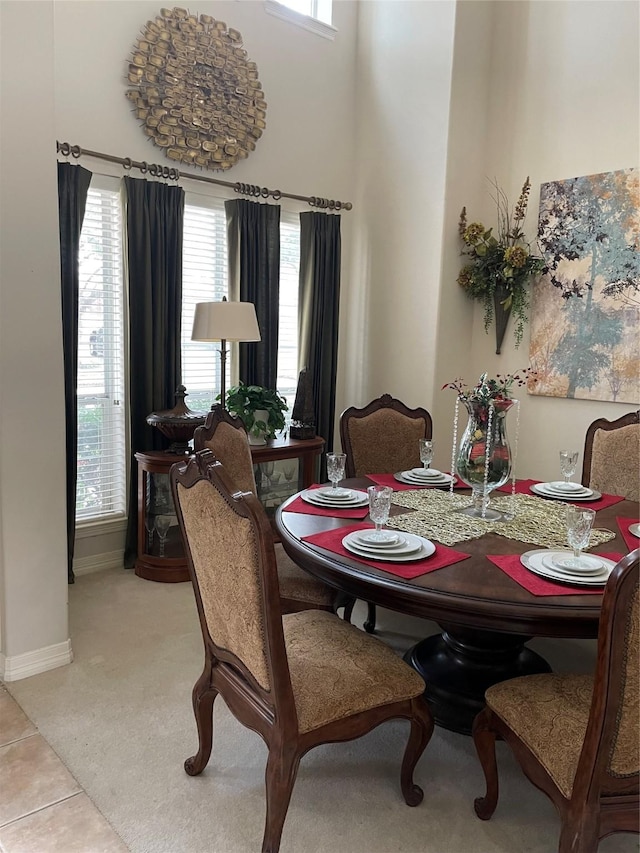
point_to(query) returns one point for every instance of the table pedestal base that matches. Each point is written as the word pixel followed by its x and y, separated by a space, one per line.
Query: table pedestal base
pixel 461 663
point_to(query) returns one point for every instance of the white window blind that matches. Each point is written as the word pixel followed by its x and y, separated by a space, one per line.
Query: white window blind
pixel 101 485
pixel 204 279
pixel 287 381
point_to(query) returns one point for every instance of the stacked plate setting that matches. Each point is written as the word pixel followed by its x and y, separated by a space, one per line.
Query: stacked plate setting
pixel 423 477
pixel 565 491
pixel 337 498
pixel 561 566
pixel 388 545
pixel 634 530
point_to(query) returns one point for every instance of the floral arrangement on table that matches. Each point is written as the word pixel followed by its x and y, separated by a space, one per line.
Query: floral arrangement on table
pixel 501 265
pixel 483 460
pixel 487 390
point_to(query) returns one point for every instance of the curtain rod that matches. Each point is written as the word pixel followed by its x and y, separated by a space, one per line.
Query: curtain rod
pixel 173 174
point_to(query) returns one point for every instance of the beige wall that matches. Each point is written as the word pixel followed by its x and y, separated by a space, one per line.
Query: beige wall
pixel 405 116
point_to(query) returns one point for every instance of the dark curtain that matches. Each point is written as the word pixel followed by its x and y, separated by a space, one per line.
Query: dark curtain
pixel 73 185
pixel 318 312
pixel 154 216
pixel 253 241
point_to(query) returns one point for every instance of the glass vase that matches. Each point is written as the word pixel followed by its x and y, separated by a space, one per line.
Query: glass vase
pixel 483 461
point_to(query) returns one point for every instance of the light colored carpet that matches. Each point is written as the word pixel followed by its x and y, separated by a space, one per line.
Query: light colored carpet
pixel 120 718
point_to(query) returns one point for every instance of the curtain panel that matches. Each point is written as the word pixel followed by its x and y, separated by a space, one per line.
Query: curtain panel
pixel 253 244
pixel 154 217
pixel 318 315
pixel 73 186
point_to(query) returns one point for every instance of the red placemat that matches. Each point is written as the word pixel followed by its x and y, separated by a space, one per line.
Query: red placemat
pixel 397 486
pixel 632 541
pixel 523 487
pixel 298 505
pixel 332 541
pixel 537 585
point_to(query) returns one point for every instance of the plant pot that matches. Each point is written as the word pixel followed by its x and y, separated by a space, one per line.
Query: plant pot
pixel 501 315
pixel 258 438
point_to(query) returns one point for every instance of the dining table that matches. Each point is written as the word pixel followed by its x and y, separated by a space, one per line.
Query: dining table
pixel 486 604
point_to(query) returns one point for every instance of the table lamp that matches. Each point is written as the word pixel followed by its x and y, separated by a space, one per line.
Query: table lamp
pixel 225 321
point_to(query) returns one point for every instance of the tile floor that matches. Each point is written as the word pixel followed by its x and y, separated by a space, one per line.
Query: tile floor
pixel 42 807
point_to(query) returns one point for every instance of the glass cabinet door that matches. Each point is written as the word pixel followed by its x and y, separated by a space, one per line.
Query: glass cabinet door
pixel 276 481
pixel 162 538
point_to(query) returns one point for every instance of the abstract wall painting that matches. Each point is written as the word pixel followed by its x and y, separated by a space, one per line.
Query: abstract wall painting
pixel 585 312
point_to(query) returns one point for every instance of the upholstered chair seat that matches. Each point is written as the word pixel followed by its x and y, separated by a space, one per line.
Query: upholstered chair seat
pixel 298 680
pixel 227 438
pixel 611 459
pixel 577 737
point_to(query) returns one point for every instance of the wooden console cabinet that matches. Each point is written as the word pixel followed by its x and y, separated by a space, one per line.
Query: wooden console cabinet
pixel 282 467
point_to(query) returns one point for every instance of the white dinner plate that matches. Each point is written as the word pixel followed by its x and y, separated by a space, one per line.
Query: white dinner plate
pixel 406 477
pixel 553 488
pixel 564 561
pixel 383 539
pixel 405 543
pixel 339 494
pixel 426 549
pixel 634 530
pixel 425 473
pixel 533 560
pixel 358 499
pixel 544 491
pixel 561 486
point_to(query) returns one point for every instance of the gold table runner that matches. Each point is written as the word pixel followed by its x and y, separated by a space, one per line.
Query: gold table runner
pixel 535 520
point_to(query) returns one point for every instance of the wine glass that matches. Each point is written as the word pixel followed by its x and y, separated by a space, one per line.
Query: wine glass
pixel 579 524
pixel 289 468
pixel 150 524
pixel 426 452
pixel 568 462
pixel 335 468
pixel 379 506
pixel 163 523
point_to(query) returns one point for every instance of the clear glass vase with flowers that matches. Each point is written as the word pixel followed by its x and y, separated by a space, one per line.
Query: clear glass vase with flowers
pixel 483 459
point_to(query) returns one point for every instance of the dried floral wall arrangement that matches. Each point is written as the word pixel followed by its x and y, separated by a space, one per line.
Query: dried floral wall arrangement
pixel 195 91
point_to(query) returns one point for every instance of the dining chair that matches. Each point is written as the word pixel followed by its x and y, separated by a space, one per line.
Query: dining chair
pixel 298 680
pixel 576 737
pixel 611 458
pixel 381 438
pixel 226 436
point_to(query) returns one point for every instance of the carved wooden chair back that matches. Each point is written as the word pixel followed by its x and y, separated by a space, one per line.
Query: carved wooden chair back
pixel 227 439
pixel 578 737
pixel 298 680
pixel 382 437
pixel 611 458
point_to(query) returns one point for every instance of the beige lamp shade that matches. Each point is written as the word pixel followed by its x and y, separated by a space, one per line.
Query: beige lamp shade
pixel 225 321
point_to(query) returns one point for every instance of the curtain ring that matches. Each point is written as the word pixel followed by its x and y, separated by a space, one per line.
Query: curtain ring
pixel 144 167
pixel 76 151
pixel 277 195
pixel 127 163
pixel 64 148
pixel 265 193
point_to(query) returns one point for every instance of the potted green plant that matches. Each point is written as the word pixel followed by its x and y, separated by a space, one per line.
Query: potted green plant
pixel 260 409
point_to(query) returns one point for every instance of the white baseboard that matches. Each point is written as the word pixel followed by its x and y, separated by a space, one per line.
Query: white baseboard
pixel 15 667
pixel 98 563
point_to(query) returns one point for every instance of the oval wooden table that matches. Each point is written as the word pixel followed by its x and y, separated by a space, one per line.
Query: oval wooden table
pixel 485 616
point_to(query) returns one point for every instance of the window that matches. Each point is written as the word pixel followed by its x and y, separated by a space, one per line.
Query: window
pixel 314 15
pixel 204 279
pixel 101 487
pixel 287 381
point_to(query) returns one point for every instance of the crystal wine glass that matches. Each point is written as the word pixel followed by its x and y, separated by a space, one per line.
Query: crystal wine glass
pixel 579 524
pixel 289 468
pixel 150 524
pixel 379 506
pixel 426 452
pixel 335 468
pixel 568 462
pixel 163 522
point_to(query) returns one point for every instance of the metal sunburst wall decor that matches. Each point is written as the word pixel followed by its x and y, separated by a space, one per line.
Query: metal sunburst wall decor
pixel 195 92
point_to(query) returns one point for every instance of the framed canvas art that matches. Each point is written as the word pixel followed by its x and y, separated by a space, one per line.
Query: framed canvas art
pixel 585 314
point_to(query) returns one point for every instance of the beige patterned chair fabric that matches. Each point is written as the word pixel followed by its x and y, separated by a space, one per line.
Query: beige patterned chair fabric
pixel 384 442
pixel 545 711
pixel 626 746
pixel 615 463
pixel 337 670
pixel 225 561
pixel 230 445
